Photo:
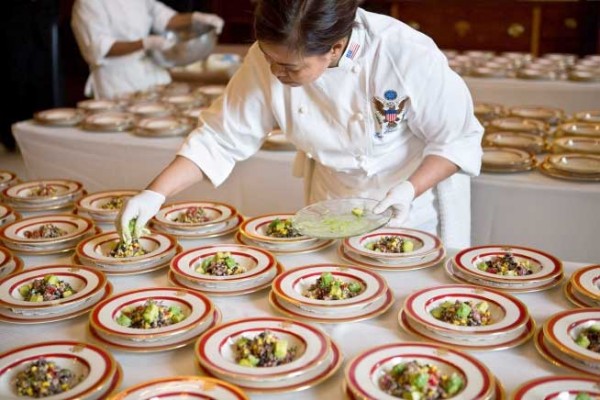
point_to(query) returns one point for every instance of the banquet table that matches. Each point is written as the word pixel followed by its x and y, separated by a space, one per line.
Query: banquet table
pixel 528 208
pixel 353 338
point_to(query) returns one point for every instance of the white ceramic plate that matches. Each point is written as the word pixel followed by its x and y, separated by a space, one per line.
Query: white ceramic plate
pixel 93 204
pixel 557 388
pixel 404 264
pixel 9 263
pixel 110 121
pixel 183 100
pixel 150 109
pixel 95 106
pixel 7 178
pixel 166 126
pixel 59 117
pixel 424 244
pixel 576 163
pixel 211 91
pixel 25 192
pixel 364 371
pixel 256 229
pixel 283 249
pixel 216 213
pixel 585 280
pixel 557 357
pixel 562 329
pixel 75 227
pixel 204 232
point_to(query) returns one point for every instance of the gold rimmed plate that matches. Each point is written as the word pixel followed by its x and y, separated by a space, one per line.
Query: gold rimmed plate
pixel 576 144
pixel 312 247
pixel 579 164
pixel 547 169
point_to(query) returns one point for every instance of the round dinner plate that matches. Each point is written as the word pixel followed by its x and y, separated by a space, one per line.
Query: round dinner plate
pixel 523 141
pixel 576 144
pixel 587 129
pixel 166 126
pixel 576 298
pixel 557 387
pixel 547 169
pixel 24 194
pixel 277 248
pixel 215 213
pixel 95 106
pixel 586 281
pixel 183 101
pixel 546 114
pixel 97 204
pixel 7 179
pixel 562 329
pixel 403 265
pixel 588 116
pixel 514 124
pixel 74 227
pixel 256 230
pixel 7 215
pixel 556 357
pixel 59 117
pixel 9 263
pixel 151 109
pixel 500 157
pixel 109 121
pixel 576 163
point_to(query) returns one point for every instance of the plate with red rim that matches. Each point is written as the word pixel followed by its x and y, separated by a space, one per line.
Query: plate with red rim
pixel 130 346
pixel 7 178
pixel 8 215
pixel 74 226
pixel 582 164
pixel 576 144
pixel 182 387
pixel 587 129
pixel 95 106
pixel 409 265
pixel 24 193
pixel 545 266
pixel 59 117
pixel 109 121
pixel 120 270
pixel 197 308
pixel 561 331
pixel 85 282
pixel 95 204
pixel 558 387
pixel 556 357
pixel 585 281
pixel 424 243
pixel 94 365
pixel 256 230
pixel 221 229
pixel 507 313
pixel 310 247
pixel 216 213
pixel 9 263
pixel 254 260
pixel 292 284
pixel 364 371
pixel 576 298
pixel 214 349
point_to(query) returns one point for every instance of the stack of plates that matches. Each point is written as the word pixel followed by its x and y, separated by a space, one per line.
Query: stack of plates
pixel 533 73
pixel 551 116
pixel 507 159
pixel 364 373
pixel 89 287
pixel 588 116
pixel 96 106
pixel 184 101
pixel 104 207
pixel 109 121
pixel 317 356
pixel 510 323
pixel 260 268
pixel 9 263
pixel 174 88
pixel 556 341
pixel 8 215
pixel 525 141
pixel 100 375
pixel 193 114
pixel 583 289
pixel 576 167
pixel 467 267
pixel 210 92
pixel 587 129
pixel 585 75
pixel 558 387
pixel 163 126
pixel 576 144
pixel 182 387
pixel 488 111
pixel 94 251
pixel 151 109
pixel 43 195
pixel 199 313
pixel 7 179
pixel 59 117
pixel 218 219
pixel 71 230
pixel 428 250
pixel 253 232
pixel 514 124
pixel 288 294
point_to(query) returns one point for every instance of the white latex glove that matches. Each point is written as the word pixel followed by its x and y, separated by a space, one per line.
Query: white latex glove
pixel 156 42
pixel 399 198
pixel 140 207
pixel 209 19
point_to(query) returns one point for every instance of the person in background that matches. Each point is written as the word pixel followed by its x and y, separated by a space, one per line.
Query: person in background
pixel 113 36
pixel 370 103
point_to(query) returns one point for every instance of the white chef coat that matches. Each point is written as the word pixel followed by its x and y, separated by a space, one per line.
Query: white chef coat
pixel 334 122
pixel 98 24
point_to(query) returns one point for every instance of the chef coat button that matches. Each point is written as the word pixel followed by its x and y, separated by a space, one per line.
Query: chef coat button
pixel 359 116
pixel 355 68
pixel 301 109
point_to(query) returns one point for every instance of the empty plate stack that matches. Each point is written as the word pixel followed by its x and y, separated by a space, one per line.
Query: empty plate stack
pixel 575 167
pixel 507 159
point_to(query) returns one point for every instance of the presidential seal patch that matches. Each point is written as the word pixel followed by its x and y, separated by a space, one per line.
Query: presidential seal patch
pixel 389 111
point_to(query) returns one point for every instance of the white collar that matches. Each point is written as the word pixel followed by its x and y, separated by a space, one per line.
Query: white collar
pixel 355 46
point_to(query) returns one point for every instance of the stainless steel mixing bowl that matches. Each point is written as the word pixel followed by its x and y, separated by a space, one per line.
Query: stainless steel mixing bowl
pixel 191 44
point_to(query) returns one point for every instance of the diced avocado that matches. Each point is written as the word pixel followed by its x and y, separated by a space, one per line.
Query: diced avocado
pixel 326 279
pixel 453 385
pixel 241 342
pixel 583 341
pixel 37 298
pixel 420 380
pixel 51 279
pixel 336 291
pixel 123 320
pixel 281 347
pixel 24 290
pixel 482 266
pixel 583 396
pixel 230 262
pixel 398 369
pixel 355 287
pixel 463 311
pixel 151 312
pixel 370 246
pixel 482 306
pixel 595 328
pixel 177 317
pixel 67 293
pixel 357 211
pixel 447 304
pixel 437 312
pixel 175 310
pixel 251 361
pixel 407 246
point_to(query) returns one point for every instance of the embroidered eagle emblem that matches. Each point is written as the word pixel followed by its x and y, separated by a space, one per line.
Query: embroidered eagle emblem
pixel 388 110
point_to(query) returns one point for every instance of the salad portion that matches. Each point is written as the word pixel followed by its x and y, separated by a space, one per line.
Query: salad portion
pixel 45 231
pixel 115 203
pixel 417 381
pixel 264 350
pixel 463 313
pixel 589 338
pixel 282 228
pixel 129 247
pixel 391 244
pixel 48 288
pixel 506 265
pixel 43 190
pixel 328 287
pixel 192 215
pixel 43 378
pixel 151 314
pixel 221 264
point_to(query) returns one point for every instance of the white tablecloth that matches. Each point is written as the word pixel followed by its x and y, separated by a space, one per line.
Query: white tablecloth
pixel 352 337
pixel 528 209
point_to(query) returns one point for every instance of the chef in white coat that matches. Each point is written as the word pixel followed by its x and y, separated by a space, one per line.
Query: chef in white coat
pixel 113 36
pixel 370 103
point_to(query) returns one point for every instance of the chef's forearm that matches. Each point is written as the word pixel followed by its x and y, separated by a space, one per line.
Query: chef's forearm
pixel 177 176
pixel 123 48
pixel 180 20
pixel 432 170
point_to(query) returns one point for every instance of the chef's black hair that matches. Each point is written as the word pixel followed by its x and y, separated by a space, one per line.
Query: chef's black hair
pixel 310 27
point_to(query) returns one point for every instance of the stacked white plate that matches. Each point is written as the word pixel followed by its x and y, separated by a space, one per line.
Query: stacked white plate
pixel 182 387
pixel 219 219
pixel 583 288
pixel 317 356
pixel 259 265
pixel 546 270
pixel 558 387
pixel 577 144
pixel 8 215
pixel 89 287
pixel 95 252
pixel 524 141
pixel 109 121
pixel 576 167
pixel 26 196
pixel 7 179
pixel 59 117
pixel 99 373
pixel 166 126
pixel 556 341
pixel 73 229
pixel 515 124
pixel 253 232
pixel 200 314
pixel 506 159
pixel 364 373
pixel 97 106
pixel 104 207
pixel 428 250
pixel 151 109
pixel 289 289
pixel 9 263
pixel 510 323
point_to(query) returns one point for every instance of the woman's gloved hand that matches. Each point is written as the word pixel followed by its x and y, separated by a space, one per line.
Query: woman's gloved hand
pixel 140 207
pixel 156 42
pixel 399 198
pixel 209 19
